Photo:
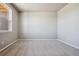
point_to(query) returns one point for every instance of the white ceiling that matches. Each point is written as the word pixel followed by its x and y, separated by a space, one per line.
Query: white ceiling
pixel 39 6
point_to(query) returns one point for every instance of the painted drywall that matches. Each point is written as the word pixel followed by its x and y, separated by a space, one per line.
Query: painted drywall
pixel 68 24
pixel 38 25
pixel 8 37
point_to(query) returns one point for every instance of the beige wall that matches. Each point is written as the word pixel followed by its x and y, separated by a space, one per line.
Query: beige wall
pixel 8 37
pixel 68 24
pixel 40 25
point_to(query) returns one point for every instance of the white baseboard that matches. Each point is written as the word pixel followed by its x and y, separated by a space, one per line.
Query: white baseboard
pixel 69 44
pixel 37 39
pixel 8 45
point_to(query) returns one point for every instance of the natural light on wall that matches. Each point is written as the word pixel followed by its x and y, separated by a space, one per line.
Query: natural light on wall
pixel 5 18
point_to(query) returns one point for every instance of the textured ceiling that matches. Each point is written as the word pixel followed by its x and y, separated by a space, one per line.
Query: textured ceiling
pixel 39 6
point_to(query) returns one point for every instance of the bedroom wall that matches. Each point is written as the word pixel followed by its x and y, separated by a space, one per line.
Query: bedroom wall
pixel 38 25
pixel 8 37
pixel 68 24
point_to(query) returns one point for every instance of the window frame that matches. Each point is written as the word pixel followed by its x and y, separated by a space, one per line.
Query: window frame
pixel 9 18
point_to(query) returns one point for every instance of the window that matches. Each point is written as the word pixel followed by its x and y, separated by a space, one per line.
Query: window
pixel 5 18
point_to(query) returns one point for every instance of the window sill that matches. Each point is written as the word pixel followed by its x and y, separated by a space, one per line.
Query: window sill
pixel 4 31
